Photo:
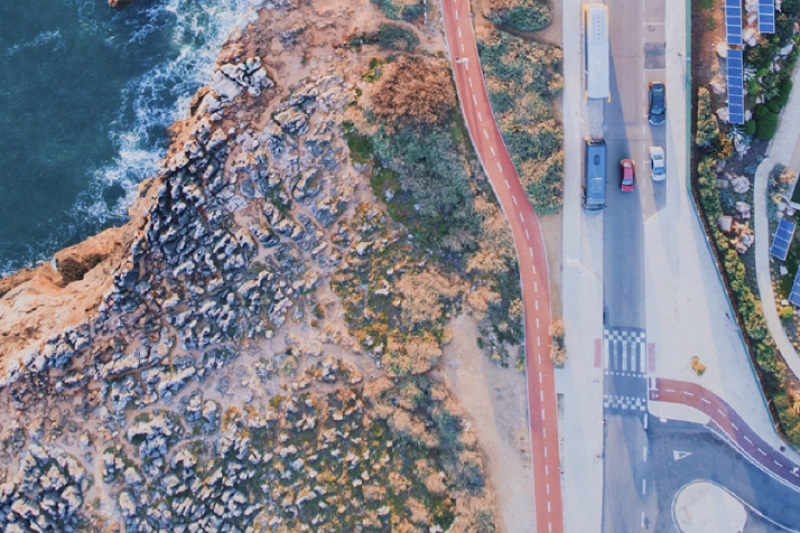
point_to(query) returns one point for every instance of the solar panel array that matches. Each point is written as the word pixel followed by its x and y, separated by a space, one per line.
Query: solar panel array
pixel 794 296
pixel 766 16
pixel 735 86
pixel 733 21
pixel 782 239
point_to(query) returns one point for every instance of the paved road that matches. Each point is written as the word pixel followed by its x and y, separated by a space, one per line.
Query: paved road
pixel 683 452
pixel 637 38
pixel 485 135
pixel 726 421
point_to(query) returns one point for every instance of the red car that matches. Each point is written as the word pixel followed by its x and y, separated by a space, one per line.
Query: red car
pixel 627 175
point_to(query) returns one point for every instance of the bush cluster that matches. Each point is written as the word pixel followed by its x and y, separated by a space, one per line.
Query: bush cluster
pixel 525 15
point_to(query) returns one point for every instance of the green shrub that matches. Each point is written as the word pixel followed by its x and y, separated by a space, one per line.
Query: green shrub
pixel 532 18
pixel 396 37
pixel 760 111
pixel 750 127
pixel 707 126
pixel 766 126
pixel 785 91
pixel 775 106
pixel 786 312
pixel 753 87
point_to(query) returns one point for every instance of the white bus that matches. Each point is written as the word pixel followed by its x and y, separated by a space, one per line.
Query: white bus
pixel 596 52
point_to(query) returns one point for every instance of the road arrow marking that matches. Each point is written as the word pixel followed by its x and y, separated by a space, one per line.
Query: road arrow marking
pixel 677 455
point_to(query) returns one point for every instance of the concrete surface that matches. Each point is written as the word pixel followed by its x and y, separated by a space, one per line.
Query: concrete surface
pixel 701 507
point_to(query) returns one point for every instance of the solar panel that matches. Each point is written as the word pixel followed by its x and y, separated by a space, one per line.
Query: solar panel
pixel 766 16
pixel 782 239
pixel 735 68
pixel 794 296
pixel 733 21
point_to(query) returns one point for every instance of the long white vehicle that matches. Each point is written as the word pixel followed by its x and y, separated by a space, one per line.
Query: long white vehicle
pixel 596 51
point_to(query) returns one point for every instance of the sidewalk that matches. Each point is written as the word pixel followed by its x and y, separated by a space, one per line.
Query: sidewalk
pixel 582 296
pixel 784 150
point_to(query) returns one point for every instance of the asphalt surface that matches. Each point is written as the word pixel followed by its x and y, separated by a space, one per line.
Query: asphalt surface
pixel 529 244
pixel 683 452
pixel 636 31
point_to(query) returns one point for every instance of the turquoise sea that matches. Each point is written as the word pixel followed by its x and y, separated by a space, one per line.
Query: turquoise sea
pixel 86 95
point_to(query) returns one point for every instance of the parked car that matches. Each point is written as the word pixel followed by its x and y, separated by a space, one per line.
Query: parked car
pixel 658 167
pixel 628 175
pixel 658 103
pixel 594 187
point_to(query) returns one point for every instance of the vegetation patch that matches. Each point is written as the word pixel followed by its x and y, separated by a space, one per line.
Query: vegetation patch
pixel 522 78
pixel 525 15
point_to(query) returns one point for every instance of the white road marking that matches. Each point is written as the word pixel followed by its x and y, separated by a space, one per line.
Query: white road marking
pixel 485 134
pixel 522 218
pixel 492 150
pixel 536 303
pixel 537 322
pixel 748 439
pixel 508 185
pixel 549 527
pixel 687 393
pixel 644 487
pixel 735 426
pixel 644 454
pixel 542 414
pixel 539 356
pixel 530 250
pixel 720 412
pixel 456 14
pixel 544 432
pixel 459 31
pixel 762 452
pixel 534 268
pixel 515 200
pixel 706 401
pixel 474 100
pixel 777 463
pixel 527 235
pixel 480 117
pixel 670 390
pixel 535 286
pixel 546 471
pixel 548 489
pixel 500 166
pixel 470 82
pixel 538 341
pixel 541 395
pixel 540 377
pixel 548 506
pixel 462 47
pixel 545 450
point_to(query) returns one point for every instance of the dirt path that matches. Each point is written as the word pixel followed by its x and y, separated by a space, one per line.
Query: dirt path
pixel 494 400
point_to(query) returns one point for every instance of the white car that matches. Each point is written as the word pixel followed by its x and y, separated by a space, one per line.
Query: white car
pixel 658 168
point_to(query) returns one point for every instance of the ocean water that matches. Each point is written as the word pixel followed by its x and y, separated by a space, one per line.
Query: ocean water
pixel 86 95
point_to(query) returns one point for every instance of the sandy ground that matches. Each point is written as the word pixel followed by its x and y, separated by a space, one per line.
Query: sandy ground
pixel 494 401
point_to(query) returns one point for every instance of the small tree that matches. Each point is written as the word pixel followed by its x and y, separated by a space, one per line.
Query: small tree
pixel 707 126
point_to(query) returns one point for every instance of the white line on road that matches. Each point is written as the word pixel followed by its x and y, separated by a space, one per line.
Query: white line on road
pixel 456 14
pixel 642 519
pixel 748 439
pixel 534 268
pixel 470 82
pixel 547 486
pixel 484 132
pixel 530 250
pixel 480 117
pixel 462 48
pixel 644 454
pixel 539 357
pixel 704 400
pixel 540 377
pixel 527 235
pixel 508 185
pixel 492 149
pixel 777 463
pixel 670 390
pixel 548 506
pixel 544 432
pixel 644 487
pixel 459 31
pixel 687 393
pixel 535 287
pixel 536 303
pixel 537 322
pixel 541 395
pixel 735 426
pixel 500 166
pixel 542 414
pixel 762 452
pixel 720 412
pixel 474 100
pixel 549 527
pixel 546 471
pixel 522 218
pixel 538 341
pixel 545 448
pixel 515 200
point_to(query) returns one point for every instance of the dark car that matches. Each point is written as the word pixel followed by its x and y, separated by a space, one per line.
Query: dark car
pixel 658 103
pixel 627 175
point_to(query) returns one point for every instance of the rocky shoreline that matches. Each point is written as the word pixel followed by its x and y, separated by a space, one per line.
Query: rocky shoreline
pixel 191 370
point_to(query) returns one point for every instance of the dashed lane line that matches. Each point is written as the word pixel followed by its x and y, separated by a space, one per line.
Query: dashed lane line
pixel 535 288
pixel 492 149
pixel 705 400
pixel 544 432
pixel 474 100
pixel 527 235
pixel 748 439
pixel 762 452
pixel 537 322
pixel 530 250
pixel 515 200
pixel 462 48
pixel 485 134
pixel 720 412
pixel 522 218
pixel 459 31
pixel 538 341
pixel 470 82
pixel 540 377
pixel 508 185
pixel 501 168
pixel 735 426
pixel 542 414
pixel 687 393
pixel 480 117
pixel 670 390
pixel 456 14
pixel 536 303
pixel 548 489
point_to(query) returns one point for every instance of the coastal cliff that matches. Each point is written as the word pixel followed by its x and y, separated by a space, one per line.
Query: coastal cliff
pixel 202 368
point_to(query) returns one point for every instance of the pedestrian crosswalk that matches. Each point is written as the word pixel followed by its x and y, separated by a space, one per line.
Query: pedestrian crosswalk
pixel 625 351
pixel 625 366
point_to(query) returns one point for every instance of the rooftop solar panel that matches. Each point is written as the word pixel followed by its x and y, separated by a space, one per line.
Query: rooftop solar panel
pixel 782 239
pixel 735 86
pixel 766 16
pixel 794 296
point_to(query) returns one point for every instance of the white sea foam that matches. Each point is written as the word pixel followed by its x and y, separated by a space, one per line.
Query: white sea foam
pixel 160 97
pixel 52 39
